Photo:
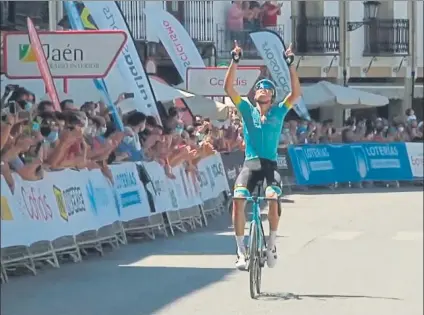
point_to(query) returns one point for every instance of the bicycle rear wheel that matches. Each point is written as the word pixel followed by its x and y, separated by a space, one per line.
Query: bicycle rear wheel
pixel 254 264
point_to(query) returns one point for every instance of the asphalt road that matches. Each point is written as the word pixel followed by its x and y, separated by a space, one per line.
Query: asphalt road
pixel 340 254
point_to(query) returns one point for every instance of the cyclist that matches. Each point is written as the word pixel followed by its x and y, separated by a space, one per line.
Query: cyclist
pixel 262 125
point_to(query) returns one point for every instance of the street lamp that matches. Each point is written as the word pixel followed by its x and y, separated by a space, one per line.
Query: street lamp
pixel 371 12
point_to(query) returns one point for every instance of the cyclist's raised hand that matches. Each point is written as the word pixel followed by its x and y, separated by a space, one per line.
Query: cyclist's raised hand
pixel 289 54
pixel 237 49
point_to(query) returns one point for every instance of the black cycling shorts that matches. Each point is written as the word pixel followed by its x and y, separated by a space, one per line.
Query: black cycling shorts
pixel 258 170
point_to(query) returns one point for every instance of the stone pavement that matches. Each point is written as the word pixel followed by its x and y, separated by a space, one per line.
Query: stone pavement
pixel 353 253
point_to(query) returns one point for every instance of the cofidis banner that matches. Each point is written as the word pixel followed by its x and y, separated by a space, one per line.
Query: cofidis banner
pixel 108 16
pixel 175 39
pixel 271 47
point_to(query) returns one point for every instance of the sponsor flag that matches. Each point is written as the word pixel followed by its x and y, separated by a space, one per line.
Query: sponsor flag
pixel 76 23
pixel 37 50
pixel 177 42
pixel 107 15
pixel 271 47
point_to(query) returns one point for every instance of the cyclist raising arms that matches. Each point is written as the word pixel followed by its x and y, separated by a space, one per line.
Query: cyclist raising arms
pixel 262 125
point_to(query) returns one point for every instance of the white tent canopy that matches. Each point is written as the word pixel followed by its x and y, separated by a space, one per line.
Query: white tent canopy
pixel 207 107
pixel 165 93
pixel 326 94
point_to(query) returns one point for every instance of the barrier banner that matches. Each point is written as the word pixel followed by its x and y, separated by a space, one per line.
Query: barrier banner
pixel 66 202
pixel 283 163
pixel 211 177
pixel 233 163
pixel 131 196
pixel 326 164
pixel 69 202
pixel 416 159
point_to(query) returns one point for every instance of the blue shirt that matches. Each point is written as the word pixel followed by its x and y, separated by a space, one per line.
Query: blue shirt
pixel 262 139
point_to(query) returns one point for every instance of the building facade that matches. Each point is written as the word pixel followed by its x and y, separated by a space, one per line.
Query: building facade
pixel 377 47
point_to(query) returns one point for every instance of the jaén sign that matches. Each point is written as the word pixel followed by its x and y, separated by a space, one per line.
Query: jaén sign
pixel 209 81
pixel 42 64
pixel 69 54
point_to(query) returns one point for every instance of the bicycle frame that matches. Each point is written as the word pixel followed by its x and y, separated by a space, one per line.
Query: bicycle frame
pixel 256 217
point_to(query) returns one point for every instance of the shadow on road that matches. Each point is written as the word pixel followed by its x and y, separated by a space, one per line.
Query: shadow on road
pixel 139 278
pixel 292 296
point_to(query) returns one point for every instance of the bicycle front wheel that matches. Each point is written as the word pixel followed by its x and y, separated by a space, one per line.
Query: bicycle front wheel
pixel 254 267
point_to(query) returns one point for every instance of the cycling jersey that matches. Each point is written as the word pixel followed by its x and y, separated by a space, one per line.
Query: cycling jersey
pixel 261 138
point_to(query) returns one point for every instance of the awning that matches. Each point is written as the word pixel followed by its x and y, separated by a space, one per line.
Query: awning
pixel 393 92
pixel 326 94
pixel 165 93
pixel 207 107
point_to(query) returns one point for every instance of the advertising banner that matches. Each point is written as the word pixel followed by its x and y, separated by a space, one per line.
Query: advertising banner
pixel 76 23
pixel 416 158
pixel 233 163
pixel 271 48
pixel 108 16
pixel 326 164
pixel 210 81
pixel 174 37
pixel 68 54
pixel 41 61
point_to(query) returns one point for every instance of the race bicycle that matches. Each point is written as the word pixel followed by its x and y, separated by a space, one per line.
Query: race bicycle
pixel 256 253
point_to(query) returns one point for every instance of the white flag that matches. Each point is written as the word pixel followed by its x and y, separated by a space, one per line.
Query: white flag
pixel 177 42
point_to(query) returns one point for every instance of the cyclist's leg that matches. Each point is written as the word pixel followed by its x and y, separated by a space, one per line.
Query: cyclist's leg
pixel 273 190
pixel 243 187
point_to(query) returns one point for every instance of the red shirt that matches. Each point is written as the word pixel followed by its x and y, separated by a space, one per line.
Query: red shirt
pixel 269 20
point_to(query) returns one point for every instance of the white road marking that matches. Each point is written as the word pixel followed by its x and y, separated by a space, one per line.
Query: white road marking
pixel 186 261
pixel 408 236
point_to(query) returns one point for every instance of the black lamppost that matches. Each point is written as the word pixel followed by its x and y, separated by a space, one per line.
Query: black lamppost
pixel 371 13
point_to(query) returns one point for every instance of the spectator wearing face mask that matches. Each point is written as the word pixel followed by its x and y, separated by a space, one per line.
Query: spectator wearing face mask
pixel 71 150
pixel 135 123
pixel 89 108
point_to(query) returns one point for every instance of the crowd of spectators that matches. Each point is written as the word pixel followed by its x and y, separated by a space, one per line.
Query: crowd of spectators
pixel 399 129
pixel 35 137
pixel 252 15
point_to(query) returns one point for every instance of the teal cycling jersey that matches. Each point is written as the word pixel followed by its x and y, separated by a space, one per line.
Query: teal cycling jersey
pixel 262 138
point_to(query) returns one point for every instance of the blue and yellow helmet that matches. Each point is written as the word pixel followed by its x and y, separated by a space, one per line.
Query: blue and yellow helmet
pixel 267 85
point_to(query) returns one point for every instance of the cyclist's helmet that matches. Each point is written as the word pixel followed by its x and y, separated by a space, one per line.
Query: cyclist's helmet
pixel 267 85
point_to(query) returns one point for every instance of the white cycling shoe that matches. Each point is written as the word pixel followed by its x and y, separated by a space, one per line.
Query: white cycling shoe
pixel 241 263
pixel 271 257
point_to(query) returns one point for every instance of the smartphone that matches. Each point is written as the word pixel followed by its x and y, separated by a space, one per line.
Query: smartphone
pixel 128 95
pixel 24 115
pixel 12 107
pixel 12 87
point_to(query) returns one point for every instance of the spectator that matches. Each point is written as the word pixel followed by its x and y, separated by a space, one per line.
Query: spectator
pixel 67 105
pixel 270 12
pixel 45 106
pixel 135 124
pixel 235 17
pixel 252 21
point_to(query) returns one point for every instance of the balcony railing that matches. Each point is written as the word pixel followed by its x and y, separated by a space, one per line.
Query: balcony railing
pixel 225 42
pixel 13 14
pixel 316 35
pixel 198 19
pixel 386 37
